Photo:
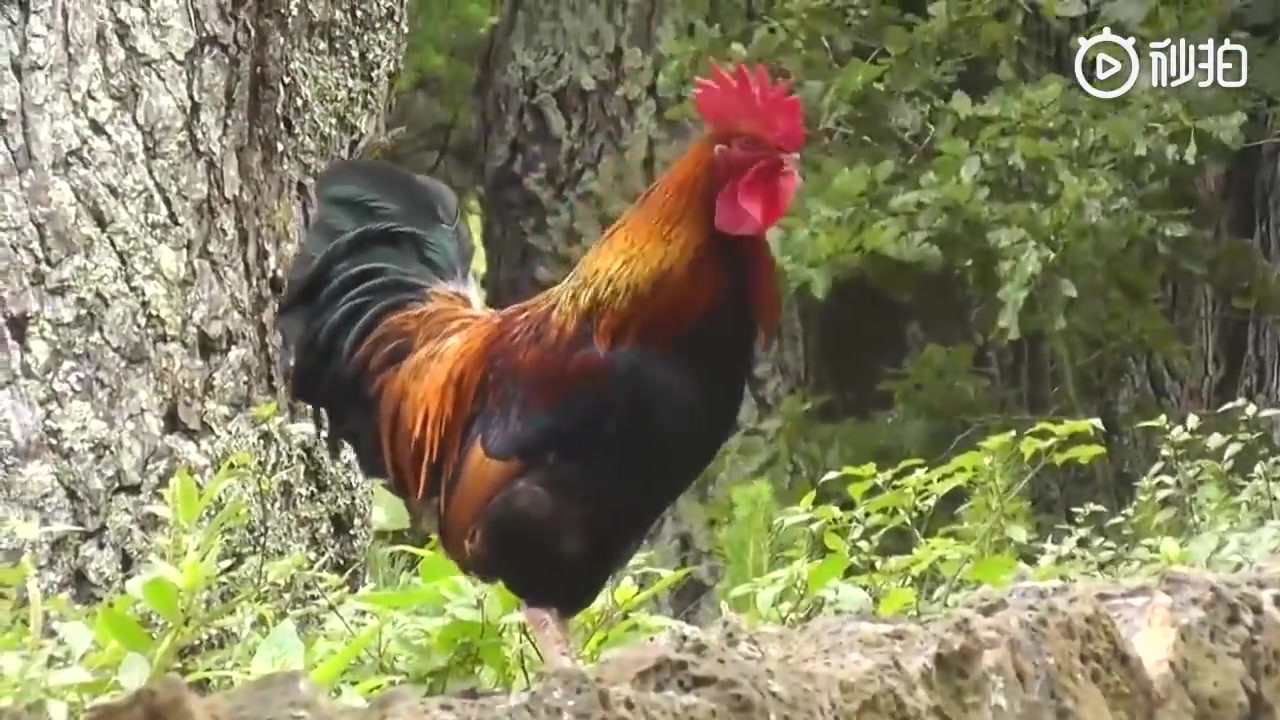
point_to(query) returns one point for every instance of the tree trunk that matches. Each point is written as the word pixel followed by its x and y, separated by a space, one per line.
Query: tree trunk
pixel 570 124
pixel 153 181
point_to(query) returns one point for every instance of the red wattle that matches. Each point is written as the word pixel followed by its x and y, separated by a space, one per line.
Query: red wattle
pixel 754 201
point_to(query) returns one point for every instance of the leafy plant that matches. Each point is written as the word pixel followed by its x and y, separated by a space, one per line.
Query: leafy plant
pixel 910 538
pixel 913 538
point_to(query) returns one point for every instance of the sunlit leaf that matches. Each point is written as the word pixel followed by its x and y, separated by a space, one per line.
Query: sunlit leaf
pixel 134 671
pixel 826 571
pixel 895 601
pixel 124 629
pixel 282 649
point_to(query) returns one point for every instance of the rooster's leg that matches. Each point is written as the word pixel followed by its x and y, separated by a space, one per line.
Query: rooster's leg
pixel 551 635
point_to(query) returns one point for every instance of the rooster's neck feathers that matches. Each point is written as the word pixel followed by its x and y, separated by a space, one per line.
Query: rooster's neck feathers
pixel 654 256
pixel 657 270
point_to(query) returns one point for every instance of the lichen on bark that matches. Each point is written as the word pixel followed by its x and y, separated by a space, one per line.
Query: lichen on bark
pixel 569 115
pixel 153 180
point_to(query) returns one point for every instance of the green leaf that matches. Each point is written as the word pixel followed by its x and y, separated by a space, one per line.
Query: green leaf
pixel 846 597
pixel 994 443
pixel 1079 454
pixel 961 103
pixel 896 39
pixel 281 649
pixel 134 671
pixel 14 575
pixel 436 566
pixel 895 499
pixel 265 411
pixel 826 571
pixel 124 629
pixel 625 590
pixel 858 489
pixel 388 513
pixel 417 596
pixel 993 570
pixel 185 498
pixel 70 675
pixel 895 601
pixel 77 636
pixel 326 674
pixel 660 587
pixel 807 500
pixel 1067 428
pixel 196 570
pixel 1017 533
pixel 765 600
pixel 865 470
pixel 231 470
pixel 160 595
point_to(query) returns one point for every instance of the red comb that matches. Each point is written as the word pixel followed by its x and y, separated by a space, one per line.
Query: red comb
pixel 749 103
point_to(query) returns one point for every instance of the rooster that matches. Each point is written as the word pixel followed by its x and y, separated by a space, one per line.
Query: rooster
pixel 543 440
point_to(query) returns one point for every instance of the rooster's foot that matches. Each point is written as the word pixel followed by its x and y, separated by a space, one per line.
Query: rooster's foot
pixel 552 638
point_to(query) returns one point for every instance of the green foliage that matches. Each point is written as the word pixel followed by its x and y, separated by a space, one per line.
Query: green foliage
pixel 188 598
pixel 950 141
pixel 443 35
pixel 914 538
pixel 908 538
pixel 190 610
pixel 1209 501
pixel 945 145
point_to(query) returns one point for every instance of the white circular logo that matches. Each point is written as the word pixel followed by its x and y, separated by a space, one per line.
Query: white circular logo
pixel 1106 65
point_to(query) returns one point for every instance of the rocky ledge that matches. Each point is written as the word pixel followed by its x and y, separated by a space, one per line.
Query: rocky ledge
pixel 1188 644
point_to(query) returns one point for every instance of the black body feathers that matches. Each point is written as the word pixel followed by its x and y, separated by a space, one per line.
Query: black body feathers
pixel 613 455
pixel 380 238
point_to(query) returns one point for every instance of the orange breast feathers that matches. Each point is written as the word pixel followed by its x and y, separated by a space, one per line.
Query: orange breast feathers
pixel 432 362
pixel 429 361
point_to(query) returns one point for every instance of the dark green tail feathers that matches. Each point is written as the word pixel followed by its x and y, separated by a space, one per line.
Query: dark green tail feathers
pixel 380 237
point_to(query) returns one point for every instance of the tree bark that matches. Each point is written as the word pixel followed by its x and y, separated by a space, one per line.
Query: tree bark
pixel 153 180
pixel 570 124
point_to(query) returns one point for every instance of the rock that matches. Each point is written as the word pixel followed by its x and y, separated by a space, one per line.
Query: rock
pixel 1186 645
